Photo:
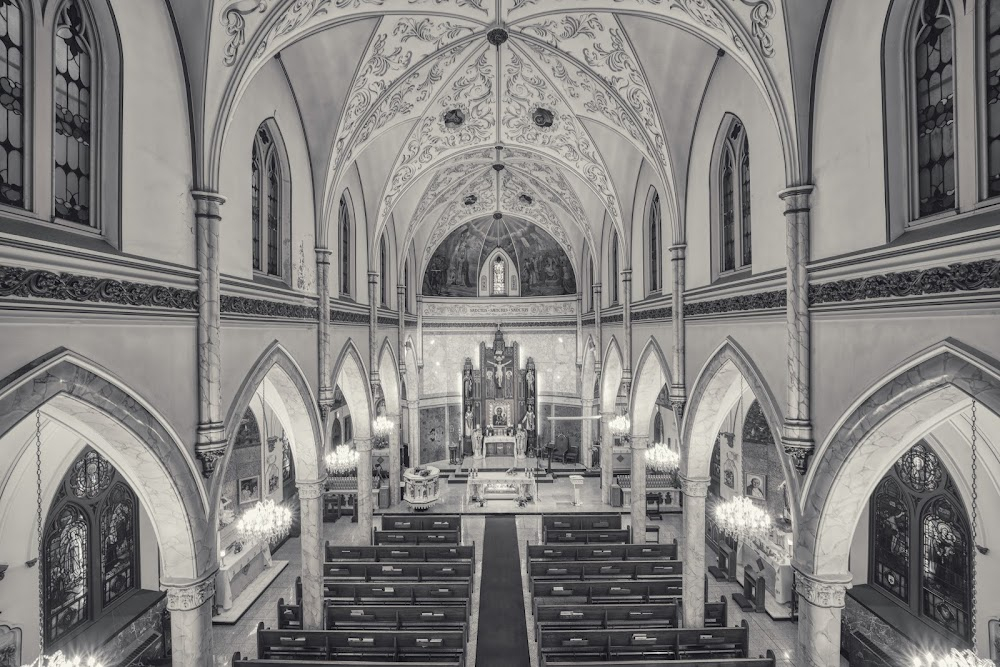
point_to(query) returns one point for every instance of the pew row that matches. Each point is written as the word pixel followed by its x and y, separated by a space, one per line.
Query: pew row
pixel 361 645
pixel 596 536
pixel 397 617
pixel 767 661
pixel 606 592
pixel 581 521
pixel 614 645
pixel 383 571
pixel 400 554
pixel 240 661
pixel 604 616
pixel 421 522
pixel 544 552
pixel 441 593
pixel 416 537
pixel 603 570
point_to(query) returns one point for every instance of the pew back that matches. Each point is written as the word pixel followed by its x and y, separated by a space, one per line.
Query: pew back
pixel 401 617
pixel 561 552
pixel 441 593
pixel 416 537
pixel 596 536
pixel 400 554
pixel 581 521
pixel 383 571
pixel 614 645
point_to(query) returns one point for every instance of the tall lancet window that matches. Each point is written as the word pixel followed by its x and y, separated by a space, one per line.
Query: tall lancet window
pixel 613 278
pixel 344 217
pixel 12 101
pixel 266 206
pixel 654 243
pixel 384 272
pixel 934 108
pixel 992 98
pixel 735 239
pixel 73 131
pixel 499 276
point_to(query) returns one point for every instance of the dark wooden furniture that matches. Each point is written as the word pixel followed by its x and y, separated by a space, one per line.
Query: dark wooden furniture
pixel 400 554
pixel 601 536
pixel 441 593
pixel 614 645
pixel 386 571
pixel 396 617
pixel 541 552
pixel 380 537
pixel 361 645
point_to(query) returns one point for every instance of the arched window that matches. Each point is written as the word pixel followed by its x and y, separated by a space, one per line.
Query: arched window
pixel 12 100
pixel 933 111
pixel 348 429
pixel 654 243
pixel 613 278
pixel 499 274
pixel 90 552
pixel 992 97
pixel 915 510
pixel 266 203
pixel 75 115
pixel 383 256
pixel 736 248
pixel 590 282
pixel 406 286
pixel 344 217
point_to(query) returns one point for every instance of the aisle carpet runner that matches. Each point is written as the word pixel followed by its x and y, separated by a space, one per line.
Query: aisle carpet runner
pixel 503 636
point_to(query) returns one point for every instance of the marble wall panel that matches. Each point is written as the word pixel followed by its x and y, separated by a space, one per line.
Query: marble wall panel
pixel 571 429
pixel 858 618
pixel 433 434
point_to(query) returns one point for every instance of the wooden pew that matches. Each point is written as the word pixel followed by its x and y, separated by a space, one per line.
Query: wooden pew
pixel 581 521
pixel 614 645
pixel 397 617
pixel 421 522
pixel 605 592
pixel 596 536
pixel 383 571
pixel 400 554
pixel 603 570
pixel 584 616
pixel 361 645
pixel 717 613
pixel 767 661
pixel 289 615
pixel 240 661
pixel 439 593
pixel 416 537
pixel 542 552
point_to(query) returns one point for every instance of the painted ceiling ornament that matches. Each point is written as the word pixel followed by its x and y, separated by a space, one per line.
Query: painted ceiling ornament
pixel 760 17
pixel 497 36
pixel 453 118
pixel 526 199
pixel 542 117
pixel 233 18
pixel 470 200
pixel 475 4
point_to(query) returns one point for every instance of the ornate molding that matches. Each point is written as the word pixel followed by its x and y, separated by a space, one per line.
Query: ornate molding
pixel 742 303
pixel 388 321
pixel 310 490
pixel 241 305
pixel 826 592
pixel 958 277
pixel 799 453
pixel 500 310
pixel 41 284
pixel 694 488
pixel 663 313
pixel 588 321
pixel 189 598
pixel 349 317
pixel 611 319
pixel 208 457
pixel 551 324
pixel 233 18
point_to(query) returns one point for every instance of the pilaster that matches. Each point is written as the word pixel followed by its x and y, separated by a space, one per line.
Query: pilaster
pixel 599 357
pixel 678 390
pixel 326 389
pixel 693 580
pixel 372 326
pixel 821 604
pixel 627 330
pixel 190 608
pixel 311 522
pixel 639 445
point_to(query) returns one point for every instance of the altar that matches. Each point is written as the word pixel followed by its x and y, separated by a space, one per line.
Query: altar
pixel 238 570
pixel 499 445
pixel 501 486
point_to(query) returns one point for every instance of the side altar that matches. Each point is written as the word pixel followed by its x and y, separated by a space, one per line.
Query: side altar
pixel 499 402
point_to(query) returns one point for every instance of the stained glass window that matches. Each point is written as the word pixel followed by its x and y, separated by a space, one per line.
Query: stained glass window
pixel 920 469
pixel 745 244
pixel 90 550
pixel 344 216
pixel 613 278
pixel 654 243
pixel 12 101
pixel 255 167
pixel 499 276
pixel 934 111
pixel 992 97
pixel 383 272
pixel 118 546
pixel 891 540
pixel 265 190
pixel 73 130
pixel 945 570
pixel 755 428
pixel 286 460
pixel 728 214
pixel 406 285
pixel 273 215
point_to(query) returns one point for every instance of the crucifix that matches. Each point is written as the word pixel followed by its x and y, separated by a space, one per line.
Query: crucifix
pixel 499 365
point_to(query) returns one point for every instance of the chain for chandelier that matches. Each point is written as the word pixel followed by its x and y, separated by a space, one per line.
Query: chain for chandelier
pixel 975 516
pixel 38 520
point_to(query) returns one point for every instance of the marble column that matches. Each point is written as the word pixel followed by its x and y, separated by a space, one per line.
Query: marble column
pixel 607 457
pixel 366 507
pixel 599 357
pixel 211 436
pixel 190 608
pixel 821 603
pixel 639 445
pixel 693 556
pixel 311 521
pixel 401 329
pixel 394 460
pixel 579 329
pixel 372 326
pixel 678 391
pixel 627 331
pixel 420 331
pixel 586 429
pixel 414 416
pixel 326 388
pixel 797 436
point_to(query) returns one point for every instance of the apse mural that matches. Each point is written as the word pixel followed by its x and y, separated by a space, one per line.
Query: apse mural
pixel 541 264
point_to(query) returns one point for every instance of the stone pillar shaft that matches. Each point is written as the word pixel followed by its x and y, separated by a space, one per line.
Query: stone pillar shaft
pixel 639 445
pixel 420 332
pixel 323 340
pixel 211 431
pixel 607 457
pixel 797 436
pixel 394 460
pixel 365 506
pixel 414 415
pixel 821 603
pixel 579 328
pixel 678 390
pixel 190 610
pixel 599 357
pixel 372 325
pixel 627 330
pixel 311 522
pixel 401 328
pixel 693 589
pixel 587 429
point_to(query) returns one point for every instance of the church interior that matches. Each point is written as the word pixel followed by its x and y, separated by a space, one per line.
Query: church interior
pixel 500 333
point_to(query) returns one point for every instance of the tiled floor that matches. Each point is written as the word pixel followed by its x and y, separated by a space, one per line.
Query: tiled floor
pixel 778 636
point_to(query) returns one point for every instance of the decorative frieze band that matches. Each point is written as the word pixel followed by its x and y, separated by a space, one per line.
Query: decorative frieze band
pixel 587 322
pixel 348 317
pixel 188 598
pixel 828 592
pixel 664 313
pixel 611 319
pixel 41 284
pixel 493 325
pixel 959 277
pixel 744 302
pixel 241 305
pixel 389 321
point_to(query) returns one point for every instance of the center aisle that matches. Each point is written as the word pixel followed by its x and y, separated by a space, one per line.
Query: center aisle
pixel 503 635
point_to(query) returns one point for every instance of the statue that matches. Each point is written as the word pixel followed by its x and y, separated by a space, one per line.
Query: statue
pixel 520 442
pixel 477 438
pixel 529 419
pixel 468 421
pixel 529 377
pixel 467 381
pixel 499 365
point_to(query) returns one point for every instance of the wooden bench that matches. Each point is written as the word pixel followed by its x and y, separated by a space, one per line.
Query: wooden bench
pixel 767 661
pixel 400 554
pixel 240 661
pixel 666 615
pixel 605 592
pixel 289 615
pixel 384 571
pixel 581 521
pixel 599 570
pixel 397 617
pixel 596 536
pixel 543 552
pixel 361 645
pixel 614 645
pixel 441 593
pixel 416 537
pixel 421 522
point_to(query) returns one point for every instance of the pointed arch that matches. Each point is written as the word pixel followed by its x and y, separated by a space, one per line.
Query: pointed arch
pixel 611 376
pixel 388 373
pixel 588 372
pixel 728 373
pixel 131 435
pixel 651 376
pixel 350 374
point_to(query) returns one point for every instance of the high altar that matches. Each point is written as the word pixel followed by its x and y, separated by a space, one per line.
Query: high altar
pixel 499 402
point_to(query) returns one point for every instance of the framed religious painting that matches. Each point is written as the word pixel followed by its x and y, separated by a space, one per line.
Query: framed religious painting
pixel 994 629
pixel 249 489
pixel 10 646
pixel 756 486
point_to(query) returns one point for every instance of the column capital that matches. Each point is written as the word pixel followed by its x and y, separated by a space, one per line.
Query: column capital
pixel 310 490
pixel 796 198
pixel 694 487
pixel 208 196
pixel 210 448
pixel 322 254
pixel 190 596
pixel 823 590
pixel 363 444
pixel 597 287
pixel 372 277
pixel 640 441
pixel 678 250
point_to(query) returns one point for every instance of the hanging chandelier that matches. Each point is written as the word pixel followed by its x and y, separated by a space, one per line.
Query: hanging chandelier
pixel 742 519
pixel 953 658
pixel 265 522
pixel 382 427
pixel 342 461
pixel 620 426
pixel 662 459
pixel 59 659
